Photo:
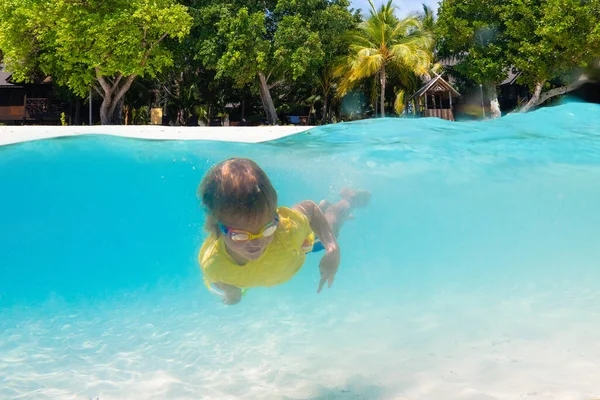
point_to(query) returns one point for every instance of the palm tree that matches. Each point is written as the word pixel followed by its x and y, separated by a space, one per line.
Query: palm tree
pixel 383 41
pixel 427 18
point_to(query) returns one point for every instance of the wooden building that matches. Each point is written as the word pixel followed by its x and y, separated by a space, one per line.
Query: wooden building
pixel 434 99
pixel 27 103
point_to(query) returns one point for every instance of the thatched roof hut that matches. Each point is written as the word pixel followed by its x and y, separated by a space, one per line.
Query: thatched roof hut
pixel 434 99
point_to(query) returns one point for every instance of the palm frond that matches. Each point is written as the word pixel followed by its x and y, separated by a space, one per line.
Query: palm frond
pixel 399 102
pixel 384 42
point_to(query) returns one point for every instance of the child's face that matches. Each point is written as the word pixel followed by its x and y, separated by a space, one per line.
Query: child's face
pixel 250 249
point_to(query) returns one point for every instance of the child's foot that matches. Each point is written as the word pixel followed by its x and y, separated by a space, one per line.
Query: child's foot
pixel 324 205
pixel 358 198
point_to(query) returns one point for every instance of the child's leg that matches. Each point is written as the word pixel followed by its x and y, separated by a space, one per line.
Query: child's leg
pixel 338 213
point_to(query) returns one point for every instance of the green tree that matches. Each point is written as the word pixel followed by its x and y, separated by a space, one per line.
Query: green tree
pixel 383 41
pixel 551 40
pixel 248 53
pixel 104 44
pixel 269 45
pixel 332 20
pixel 427 18
pixel 472 33
pixel 547 41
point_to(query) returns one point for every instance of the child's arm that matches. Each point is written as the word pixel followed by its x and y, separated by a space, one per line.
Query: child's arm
pixel 233 294
pixel 320 226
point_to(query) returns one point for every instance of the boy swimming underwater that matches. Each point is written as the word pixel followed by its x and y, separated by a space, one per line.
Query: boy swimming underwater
pixel 253 242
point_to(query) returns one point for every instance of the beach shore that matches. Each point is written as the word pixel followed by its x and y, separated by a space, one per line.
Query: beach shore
pixel 250 134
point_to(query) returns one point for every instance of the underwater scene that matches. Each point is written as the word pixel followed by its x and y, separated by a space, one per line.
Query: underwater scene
pixel 473 273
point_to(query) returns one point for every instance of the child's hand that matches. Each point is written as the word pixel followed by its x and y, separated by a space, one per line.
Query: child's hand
pixel 232 298
pixel 231 295
pixel 329 266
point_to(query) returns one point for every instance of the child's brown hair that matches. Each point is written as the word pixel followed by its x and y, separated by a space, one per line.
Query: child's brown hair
pixel 238 187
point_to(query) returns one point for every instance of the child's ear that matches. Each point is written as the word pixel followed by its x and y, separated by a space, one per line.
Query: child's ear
pixel 211 225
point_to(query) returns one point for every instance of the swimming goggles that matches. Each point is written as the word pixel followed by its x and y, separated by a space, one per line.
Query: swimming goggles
pixel 238 235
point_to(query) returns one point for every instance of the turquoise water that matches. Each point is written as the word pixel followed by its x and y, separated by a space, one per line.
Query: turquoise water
pixel 473 274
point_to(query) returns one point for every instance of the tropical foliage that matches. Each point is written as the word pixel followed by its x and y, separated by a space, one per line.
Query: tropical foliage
pixel 271 45
pixel 99 44
pixel 548 42
pixel 384 43
pixel 268 59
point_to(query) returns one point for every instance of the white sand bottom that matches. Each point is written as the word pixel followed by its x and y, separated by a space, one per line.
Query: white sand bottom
pixel 250 134
pixel 170 345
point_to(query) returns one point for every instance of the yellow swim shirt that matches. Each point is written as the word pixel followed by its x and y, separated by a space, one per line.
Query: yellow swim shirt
pixel 281 260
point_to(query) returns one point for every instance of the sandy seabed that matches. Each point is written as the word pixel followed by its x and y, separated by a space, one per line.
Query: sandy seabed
pixel 540 344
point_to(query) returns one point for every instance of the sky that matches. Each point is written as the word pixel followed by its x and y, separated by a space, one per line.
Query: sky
pixel 405 7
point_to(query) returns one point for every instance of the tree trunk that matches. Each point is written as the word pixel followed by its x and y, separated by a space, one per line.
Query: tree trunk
pixel 541 98
pixel 375 95
pixel 326 88
pixel 494 103
pixel 534 99
pixel 324 121
pixel 77 119
pixel 382 77
pixel 112 94
pixel 117 113
pixel 105 117
pixel 179 121
pixel 108 107
pixel 267 101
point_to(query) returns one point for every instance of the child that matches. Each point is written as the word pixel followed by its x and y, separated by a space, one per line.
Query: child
pixel 253 242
